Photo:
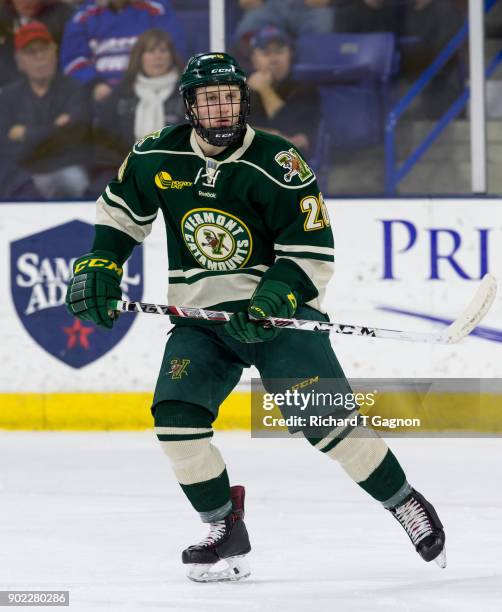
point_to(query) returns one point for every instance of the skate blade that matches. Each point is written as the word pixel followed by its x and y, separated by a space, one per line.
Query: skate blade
pixel 237 569
pixel 441 559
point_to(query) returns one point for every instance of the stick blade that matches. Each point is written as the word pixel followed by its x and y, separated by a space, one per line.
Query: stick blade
pixel 474 313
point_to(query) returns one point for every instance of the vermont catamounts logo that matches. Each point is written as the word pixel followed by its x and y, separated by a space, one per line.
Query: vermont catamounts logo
pixel 216 239
pixel 164 180
pixel 294 164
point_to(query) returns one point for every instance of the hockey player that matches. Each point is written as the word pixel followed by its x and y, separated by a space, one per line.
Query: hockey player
pixel 247 231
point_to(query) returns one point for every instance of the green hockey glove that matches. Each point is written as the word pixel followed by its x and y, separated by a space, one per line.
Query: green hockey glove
pixel 243 330
pixel 272 299
pixel 96 280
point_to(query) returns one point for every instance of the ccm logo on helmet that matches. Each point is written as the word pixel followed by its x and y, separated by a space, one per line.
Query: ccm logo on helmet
pixel 220 70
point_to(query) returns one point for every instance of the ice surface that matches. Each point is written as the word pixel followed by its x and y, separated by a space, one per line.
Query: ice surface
pixel 101 515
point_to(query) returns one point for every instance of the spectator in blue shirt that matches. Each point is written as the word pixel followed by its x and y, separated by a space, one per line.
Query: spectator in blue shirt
pixel 98 40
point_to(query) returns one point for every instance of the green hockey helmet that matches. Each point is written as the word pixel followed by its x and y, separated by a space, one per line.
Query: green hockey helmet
pixel 215 69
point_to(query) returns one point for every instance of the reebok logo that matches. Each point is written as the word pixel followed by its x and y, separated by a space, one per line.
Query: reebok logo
pixel 207 194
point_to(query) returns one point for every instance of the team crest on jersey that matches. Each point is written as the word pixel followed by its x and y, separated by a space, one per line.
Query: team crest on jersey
pixel 164 180
pixel 294 164
pixel 216 239
pixel 41 267
pixel 179 368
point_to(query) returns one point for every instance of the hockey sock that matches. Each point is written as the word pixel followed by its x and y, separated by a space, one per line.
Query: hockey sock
pixel 184 432
pixel 368 461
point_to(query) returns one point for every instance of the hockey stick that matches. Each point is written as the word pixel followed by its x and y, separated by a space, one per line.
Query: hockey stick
pixel 461 327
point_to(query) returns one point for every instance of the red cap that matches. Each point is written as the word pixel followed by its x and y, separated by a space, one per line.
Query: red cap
pixel 30 32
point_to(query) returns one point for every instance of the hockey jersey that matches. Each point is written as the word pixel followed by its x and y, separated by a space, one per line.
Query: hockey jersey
pixel 250 213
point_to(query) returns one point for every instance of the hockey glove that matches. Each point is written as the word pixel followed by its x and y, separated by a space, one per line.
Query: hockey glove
pixel 271 299
pixel 96 280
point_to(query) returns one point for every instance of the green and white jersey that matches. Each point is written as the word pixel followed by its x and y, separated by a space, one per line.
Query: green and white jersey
pixel 255 210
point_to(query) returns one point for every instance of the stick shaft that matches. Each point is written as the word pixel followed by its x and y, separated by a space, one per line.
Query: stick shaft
pixel 299 324
pixel 461 327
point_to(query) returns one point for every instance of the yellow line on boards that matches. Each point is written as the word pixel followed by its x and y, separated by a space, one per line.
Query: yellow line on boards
pixel 100 411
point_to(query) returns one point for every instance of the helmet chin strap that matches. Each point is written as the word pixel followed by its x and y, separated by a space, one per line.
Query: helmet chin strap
pixel 220 137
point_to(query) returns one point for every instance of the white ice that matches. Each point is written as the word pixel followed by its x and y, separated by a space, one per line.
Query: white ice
pixel 99 514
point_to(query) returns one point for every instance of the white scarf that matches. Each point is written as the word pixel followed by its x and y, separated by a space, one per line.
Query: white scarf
pixel 152 93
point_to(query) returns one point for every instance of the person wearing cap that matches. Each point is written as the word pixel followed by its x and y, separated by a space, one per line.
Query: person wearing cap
pixel 45 118
pixel 15 13
pixel 279 104
pixel 297 16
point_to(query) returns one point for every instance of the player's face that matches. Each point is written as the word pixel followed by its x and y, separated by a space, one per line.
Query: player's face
pixel 156 60
pixel 218 106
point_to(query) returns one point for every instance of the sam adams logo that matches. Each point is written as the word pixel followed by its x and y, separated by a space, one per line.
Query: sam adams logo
pixel 41 267
pixel 216 239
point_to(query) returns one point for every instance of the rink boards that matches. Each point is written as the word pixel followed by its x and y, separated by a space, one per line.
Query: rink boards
pixel 403 264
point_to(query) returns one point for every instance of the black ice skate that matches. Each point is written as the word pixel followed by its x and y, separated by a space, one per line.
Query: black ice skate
pixel 422 524
pixel 227 540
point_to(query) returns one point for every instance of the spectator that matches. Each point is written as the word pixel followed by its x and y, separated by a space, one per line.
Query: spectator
pixel 44 118
pixel 98 40
pixel 146 100
pixel 14 14
pixel 278 103
pixel 296 16
pixel 424 27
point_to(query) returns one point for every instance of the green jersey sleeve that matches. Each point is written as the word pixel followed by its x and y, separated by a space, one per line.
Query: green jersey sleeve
pixel 129 205
pixel 297 214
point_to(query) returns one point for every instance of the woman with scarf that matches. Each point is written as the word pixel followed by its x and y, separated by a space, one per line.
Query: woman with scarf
pixel 144 101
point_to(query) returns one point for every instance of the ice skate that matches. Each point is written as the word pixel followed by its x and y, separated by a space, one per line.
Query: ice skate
pixel 421 522
pixel 227 541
